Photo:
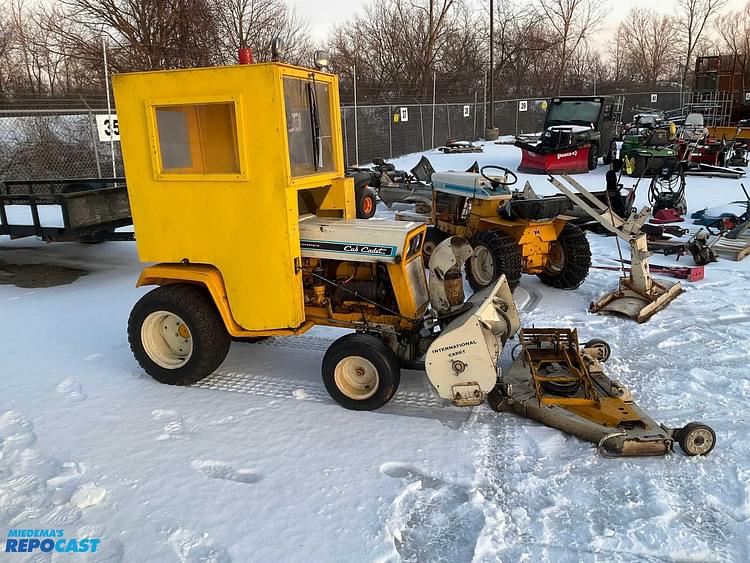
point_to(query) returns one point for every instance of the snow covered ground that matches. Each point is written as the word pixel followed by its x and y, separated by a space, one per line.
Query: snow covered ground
pixel 256 463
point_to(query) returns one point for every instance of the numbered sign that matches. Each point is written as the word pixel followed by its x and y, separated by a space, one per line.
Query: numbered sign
pixel 467 111
pixel 654 97
pixel 108 128
pixel 523 105
pixel 404 114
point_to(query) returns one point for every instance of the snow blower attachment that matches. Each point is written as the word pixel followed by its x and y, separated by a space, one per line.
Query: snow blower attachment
pixel 561 383
pixel 639 296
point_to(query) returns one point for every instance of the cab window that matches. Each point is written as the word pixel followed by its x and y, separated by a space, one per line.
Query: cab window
pixel 197 138
pixel 308 125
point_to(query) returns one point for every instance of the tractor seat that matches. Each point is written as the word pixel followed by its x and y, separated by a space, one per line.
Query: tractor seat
pixel 549 207
pixel 658 138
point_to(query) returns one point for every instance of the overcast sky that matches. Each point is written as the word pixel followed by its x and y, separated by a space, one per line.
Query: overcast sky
pixel 322 13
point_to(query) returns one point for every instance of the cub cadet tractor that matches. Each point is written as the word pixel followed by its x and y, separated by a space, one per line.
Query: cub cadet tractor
pixel 238 192
pixel 512 233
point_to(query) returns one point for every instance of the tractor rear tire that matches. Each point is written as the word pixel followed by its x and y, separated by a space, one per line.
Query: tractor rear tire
pixel 573 262
pixel 360 372
pixel 177 335
pixel 433 237
pixel 366 203
pixel 495 254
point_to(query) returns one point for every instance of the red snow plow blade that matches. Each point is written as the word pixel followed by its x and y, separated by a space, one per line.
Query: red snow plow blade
pixel 564 160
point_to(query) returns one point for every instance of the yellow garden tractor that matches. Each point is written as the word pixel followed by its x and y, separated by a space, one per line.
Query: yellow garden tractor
pixel 511 232
pixel 239 196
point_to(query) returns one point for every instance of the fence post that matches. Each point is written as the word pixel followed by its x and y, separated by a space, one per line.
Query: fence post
pixel 421 124
pixel 346 138
pixel 474 109
pixel 434 78
pixel 356 130
pixel 448 119
pixel 92 127
pixel 390 130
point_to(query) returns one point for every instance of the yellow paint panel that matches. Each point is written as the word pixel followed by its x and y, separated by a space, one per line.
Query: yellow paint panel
pixel 234 206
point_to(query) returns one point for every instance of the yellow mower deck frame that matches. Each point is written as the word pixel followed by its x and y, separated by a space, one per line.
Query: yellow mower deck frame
pixel 212 189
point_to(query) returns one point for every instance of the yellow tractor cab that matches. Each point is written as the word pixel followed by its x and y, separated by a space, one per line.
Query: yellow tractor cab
pixel 512 232
pixel 237 188
pixel 238 192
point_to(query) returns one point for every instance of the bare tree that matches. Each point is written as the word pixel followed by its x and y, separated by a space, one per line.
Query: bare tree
pixel 142 34
pixel 733 30
pixel 572 22
pixel 650 45
pixel 693 17
pixel 255 23
pixel 398 44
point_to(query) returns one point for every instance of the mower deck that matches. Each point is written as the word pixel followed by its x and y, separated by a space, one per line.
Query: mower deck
pixel 559 385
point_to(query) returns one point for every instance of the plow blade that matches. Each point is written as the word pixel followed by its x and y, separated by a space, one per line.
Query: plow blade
pixel 461 363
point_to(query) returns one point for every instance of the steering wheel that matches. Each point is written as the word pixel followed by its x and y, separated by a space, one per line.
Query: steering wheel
pixel 496 183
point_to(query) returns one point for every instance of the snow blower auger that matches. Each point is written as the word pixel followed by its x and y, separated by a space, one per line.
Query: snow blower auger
pixel 561 383
pixel 639 296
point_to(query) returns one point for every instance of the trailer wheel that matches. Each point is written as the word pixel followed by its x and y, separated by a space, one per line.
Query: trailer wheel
pixel 569 259
pixel 696 439
pixel 360 372
pixel 495 253
pixel 177 335
pixel 366 203
pixel 432 238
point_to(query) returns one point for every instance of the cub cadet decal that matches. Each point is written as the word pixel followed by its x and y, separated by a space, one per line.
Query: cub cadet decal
pixel 349 248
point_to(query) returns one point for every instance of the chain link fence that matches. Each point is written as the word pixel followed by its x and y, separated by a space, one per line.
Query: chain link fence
pixel 65 143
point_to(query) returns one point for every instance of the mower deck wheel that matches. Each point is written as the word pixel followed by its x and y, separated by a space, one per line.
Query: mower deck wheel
pixel 360 372
pixel 602 348
pixel 696 439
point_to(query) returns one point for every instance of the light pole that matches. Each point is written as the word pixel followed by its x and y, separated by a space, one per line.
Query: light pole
pixel 491 133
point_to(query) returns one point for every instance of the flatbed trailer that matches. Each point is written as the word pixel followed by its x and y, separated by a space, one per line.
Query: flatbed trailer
pixel 84 209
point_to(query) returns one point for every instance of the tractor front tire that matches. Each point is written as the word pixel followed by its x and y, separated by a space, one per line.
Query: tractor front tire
pixel 432 238
pixel 177 335
pixel 593 157
pixel 495 253
pixel 360 372
pixel 569 261
pixel 365 203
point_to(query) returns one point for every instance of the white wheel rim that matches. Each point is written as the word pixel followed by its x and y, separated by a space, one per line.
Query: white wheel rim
pixel 166 339
pixel 357 378
pixel 482 265
pixel 556 258
pixel 699 441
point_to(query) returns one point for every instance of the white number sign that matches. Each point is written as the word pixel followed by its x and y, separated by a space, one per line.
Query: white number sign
pixel 523 105
pixel 467 111
pixel 404 114
pixel 108 128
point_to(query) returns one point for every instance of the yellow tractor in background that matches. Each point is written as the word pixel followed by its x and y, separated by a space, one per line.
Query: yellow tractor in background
pixel 511 232
pixel 238 194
